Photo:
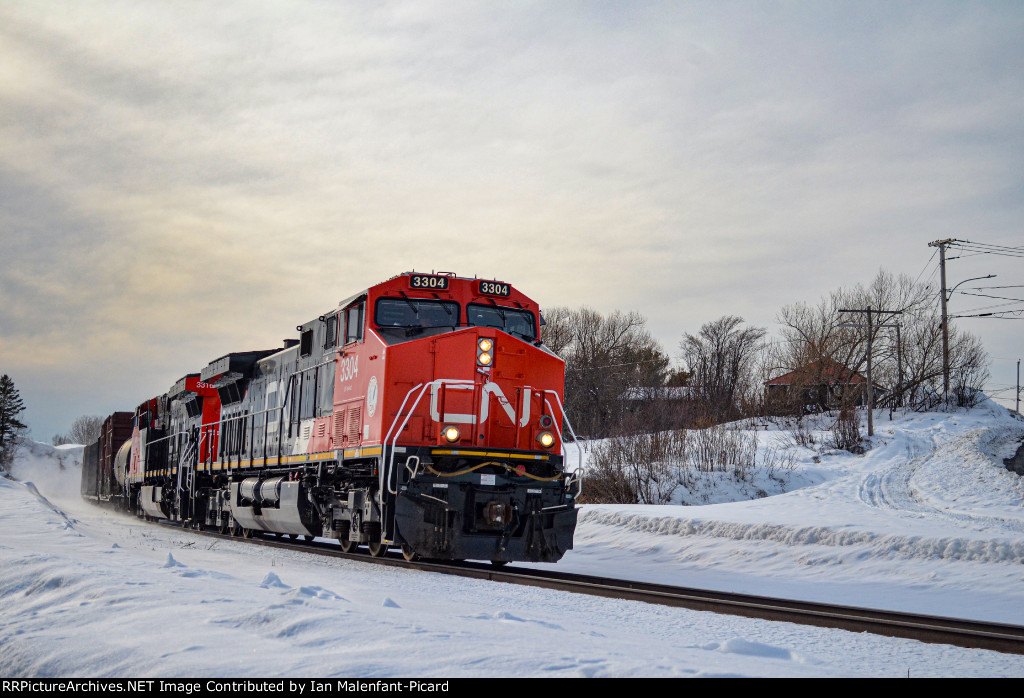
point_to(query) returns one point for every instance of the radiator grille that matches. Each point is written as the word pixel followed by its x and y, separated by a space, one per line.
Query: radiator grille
pixel 339 427
pixel 355 424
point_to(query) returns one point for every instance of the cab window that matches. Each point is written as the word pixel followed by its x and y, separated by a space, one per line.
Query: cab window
pixel 416 313
pixel 331 332
pixel 354 323
pixel 519 323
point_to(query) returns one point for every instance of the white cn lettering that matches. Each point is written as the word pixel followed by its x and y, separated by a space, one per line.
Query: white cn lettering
pixel 485 402
pixel 525 419
pixel 489 389
pixel 449 417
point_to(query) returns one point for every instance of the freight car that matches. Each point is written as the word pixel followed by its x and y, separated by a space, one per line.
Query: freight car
pixel 98 480
pixel 422 413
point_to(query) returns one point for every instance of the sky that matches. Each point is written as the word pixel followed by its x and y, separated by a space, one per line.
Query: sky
pixel 179 180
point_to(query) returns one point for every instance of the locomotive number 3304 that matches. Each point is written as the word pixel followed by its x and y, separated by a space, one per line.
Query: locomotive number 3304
pixel 417 281
pixel 494 288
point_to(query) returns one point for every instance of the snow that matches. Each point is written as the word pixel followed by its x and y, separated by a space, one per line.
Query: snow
pixel 928 520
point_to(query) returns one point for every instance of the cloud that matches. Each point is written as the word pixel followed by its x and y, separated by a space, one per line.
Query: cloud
pixel 179 180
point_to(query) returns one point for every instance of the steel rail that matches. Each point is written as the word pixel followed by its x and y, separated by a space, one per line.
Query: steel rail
pixel 974 634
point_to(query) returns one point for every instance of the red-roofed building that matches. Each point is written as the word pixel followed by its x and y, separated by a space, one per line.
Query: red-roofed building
pixel 818 386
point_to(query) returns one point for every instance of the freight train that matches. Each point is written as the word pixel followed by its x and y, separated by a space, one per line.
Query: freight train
pixel 423 413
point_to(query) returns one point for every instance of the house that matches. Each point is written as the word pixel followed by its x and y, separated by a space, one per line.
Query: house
pixel 820 385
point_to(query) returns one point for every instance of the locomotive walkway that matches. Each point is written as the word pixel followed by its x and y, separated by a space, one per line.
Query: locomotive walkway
pixel 998 637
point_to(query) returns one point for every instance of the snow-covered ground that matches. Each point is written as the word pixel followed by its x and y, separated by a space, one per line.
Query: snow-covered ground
pixel 927 520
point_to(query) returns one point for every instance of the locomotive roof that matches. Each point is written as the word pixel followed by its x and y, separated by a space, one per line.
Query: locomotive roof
pixel 235 362
pixel 356 296
pixel 352 298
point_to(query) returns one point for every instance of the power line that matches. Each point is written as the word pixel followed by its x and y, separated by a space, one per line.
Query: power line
pixel 967 244
pixel 989 244
pixel 965 256
pixel 925 268
pixel 997 252
pixel 989 307
pixel 985 295
pixel 995 316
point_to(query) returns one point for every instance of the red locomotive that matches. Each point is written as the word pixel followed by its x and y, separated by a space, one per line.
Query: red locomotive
pixel 422 413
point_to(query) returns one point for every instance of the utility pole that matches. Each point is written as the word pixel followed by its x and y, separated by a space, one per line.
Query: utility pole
pixel 871 385
pixel 941 244
pixel 1018 386
pixel 871 337
pixel 899 365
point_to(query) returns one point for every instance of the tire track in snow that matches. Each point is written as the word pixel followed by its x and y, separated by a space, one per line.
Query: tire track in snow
pixel 904 487
pixel 890 489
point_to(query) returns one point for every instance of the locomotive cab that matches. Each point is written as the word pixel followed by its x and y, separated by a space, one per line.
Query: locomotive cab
pixel 473 458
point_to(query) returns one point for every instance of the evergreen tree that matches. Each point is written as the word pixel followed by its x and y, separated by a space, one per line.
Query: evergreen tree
pixel 11 428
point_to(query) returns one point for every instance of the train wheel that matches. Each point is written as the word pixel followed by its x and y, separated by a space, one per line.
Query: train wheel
pixel 293 536
pixel 499 563
pixel 377 549
pixel 409 554
pixel 348 546
pixel 246 533
pixel 308 539
pixel 235 529
pixel 223 528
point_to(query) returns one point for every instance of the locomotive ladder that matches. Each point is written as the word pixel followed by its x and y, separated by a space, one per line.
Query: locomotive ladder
pixel 186 472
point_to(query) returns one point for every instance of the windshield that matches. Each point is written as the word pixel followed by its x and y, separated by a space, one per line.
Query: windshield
pixel 512 320
pixel 415 312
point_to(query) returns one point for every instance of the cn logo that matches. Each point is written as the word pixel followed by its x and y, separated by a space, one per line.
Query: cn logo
pixel 488 390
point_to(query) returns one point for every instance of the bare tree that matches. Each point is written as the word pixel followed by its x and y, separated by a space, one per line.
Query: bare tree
pixel 85 429
pixel 907 361
pixel 968 367
pixel 721 362
pixel 605 356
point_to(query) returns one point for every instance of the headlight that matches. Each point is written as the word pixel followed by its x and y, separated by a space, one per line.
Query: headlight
pixel 451 434
pixel 546 439
pixel 484 348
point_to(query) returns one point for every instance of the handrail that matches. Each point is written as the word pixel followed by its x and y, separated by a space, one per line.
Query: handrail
pixel 392 427
pixel 394 441
pixel 219 421
pixel 391 457
pixel 575 440
pixel 402 407
pixel 184 456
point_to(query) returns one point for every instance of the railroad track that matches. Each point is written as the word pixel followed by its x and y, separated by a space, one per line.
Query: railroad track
pixel 998 637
